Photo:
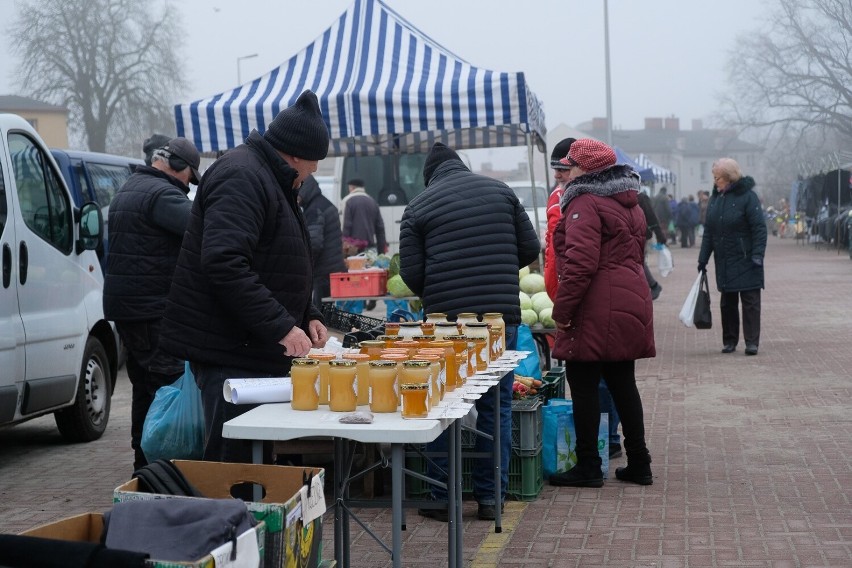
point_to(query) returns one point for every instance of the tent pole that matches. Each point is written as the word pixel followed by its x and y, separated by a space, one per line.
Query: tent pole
pixel 530 152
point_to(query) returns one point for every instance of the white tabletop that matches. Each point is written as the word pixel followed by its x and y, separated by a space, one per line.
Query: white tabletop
pixel 281 422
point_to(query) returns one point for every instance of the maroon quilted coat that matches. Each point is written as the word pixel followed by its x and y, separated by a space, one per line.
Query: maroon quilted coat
pixel 602 294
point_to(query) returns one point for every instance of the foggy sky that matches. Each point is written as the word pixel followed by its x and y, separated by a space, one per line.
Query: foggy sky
pixel 667 57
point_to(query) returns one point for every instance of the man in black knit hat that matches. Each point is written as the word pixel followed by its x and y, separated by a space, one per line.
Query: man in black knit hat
pixel 240 302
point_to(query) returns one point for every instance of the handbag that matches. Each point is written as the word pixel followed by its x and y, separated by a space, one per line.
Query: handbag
pixel 702 318
pixel 687 312
pixel 174 426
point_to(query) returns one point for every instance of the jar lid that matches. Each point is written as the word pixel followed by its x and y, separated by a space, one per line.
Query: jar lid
pixel 467 315
pixel 342 363
pixel 455 337
pixel 445 324
pixel 371 343
pixel 423 338
pixel 441 343
pixel 391 324
pixel 478 339
pixel 356 356
pixel 305 362
pixel 416 363
pixel 477 324
pixel 414 386
pixel 404 342
pixel 321 356
pixel 384 338
pixel 383 363
pixel 493 315
pixel 435 314
pixel 409 324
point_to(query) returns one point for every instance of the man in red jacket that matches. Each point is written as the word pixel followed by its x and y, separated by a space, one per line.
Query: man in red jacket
pixel 560 175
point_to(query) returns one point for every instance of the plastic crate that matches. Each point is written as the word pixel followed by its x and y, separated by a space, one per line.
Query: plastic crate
pixel 358 283
pixel 526 478
pixel 526 426
pixel 348 322
pixel 552 384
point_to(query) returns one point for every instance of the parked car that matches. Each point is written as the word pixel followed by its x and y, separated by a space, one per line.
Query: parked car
pixel 533 205
pixel 92 176
pixel 58 354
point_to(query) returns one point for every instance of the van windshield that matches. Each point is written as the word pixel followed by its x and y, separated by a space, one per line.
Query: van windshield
pixel 387 184
pixel 525 196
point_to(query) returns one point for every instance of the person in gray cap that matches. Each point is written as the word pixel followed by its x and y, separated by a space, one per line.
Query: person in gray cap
pixel 147 219
pixel 240 302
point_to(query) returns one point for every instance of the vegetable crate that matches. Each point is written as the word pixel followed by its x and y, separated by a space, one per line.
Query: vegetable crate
pixel 552 384
pixel 358 283
pixel 526 426
pixel 355 327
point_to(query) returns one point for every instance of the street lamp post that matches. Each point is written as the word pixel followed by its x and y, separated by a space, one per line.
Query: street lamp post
pixel 239 80
pixel 608 86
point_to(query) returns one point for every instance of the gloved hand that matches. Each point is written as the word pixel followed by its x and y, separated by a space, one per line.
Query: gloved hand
pixel 702 266
pixel 757 261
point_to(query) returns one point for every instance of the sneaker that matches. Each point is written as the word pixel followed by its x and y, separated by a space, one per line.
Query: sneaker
pixel 640 474
pixel 614 451
pixel 440 515
pixel 576 478
pixel 488 512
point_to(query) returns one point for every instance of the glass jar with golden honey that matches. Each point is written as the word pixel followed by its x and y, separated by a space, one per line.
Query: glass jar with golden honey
pixel 462 358
pixel 323 359
pixel 362 375
pixel 423 340
pixel 372 348
pixel 496 321
pixel 479 331
pixel 392 328
pixel 410 344
pixel 415 400
pixel 450 372
pixel 408 329
pixel 383 387
pixel 434 376
pixel 427 327
pixel 388 340
pixel 415 371
pixel 342 393
pixel 304 375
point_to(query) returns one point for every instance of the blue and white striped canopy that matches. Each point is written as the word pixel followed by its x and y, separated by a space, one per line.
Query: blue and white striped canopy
pixel 383 86
pixel 661 174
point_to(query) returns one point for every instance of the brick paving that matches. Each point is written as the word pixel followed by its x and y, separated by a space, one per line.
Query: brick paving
pixel 751 454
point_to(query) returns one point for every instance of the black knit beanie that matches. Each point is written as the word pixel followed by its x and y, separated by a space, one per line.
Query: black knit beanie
pixel 300 130
pixel 437 156
pixel 560 151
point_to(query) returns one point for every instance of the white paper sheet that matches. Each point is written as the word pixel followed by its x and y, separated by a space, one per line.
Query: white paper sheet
pixel 257 390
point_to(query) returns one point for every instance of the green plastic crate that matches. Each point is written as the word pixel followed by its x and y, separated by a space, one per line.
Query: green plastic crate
pixel 526 478
pixel 526 426
pixel 553 384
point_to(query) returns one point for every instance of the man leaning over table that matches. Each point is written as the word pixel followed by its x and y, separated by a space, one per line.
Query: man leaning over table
pixel 462 242
pixel 240 303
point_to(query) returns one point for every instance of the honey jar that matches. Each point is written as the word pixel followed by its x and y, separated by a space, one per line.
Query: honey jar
pixel 496 321
pixel 411 345
pixel 342 394
pixel 392 328
pixel 383 388
pixel 462 358
pixel 415 400
pixel 372 348
pixel 427 327
pixel 415 371
pixel 323 359
pixel 408 329
pixel 479 331
pixel 465 318
pixel 362 376
pixel 445 328
pixel 450 371
pixel 436 390
pixel 388 340
pixel 436 317
pixel 423 340
pixel 304 375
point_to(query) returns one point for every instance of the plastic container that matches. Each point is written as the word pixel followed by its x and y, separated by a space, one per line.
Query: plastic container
pixel 526 426
pixel 304 374
pixel 356 284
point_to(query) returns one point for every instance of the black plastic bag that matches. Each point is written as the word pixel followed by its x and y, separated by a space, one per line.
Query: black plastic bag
pixel 703 318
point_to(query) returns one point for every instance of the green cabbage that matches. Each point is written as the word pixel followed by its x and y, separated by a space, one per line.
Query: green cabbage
pixel 529 317
pixel 541 301
pixel 523 272
pixel 526 302
pixel 398 288
pixel 544 316
pixel 393 266
pixel 532 283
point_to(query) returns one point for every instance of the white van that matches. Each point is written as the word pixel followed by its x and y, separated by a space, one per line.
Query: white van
pixel 57 352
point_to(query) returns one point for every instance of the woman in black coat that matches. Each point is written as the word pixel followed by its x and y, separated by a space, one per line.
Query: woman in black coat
pixel 735 233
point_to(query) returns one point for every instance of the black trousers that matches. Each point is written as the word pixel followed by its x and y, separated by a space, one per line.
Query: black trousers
pixel 322 289
pixel 731 317
pixel 583 379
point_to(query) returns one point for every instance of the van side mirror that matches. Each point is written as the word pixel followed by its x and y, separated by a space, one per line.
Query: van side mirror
pixel 91 223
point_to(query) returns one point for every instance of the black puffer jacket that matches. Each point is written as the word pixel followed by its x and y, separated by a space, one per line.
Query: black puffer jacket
pixel 462 242
pixel 147 219
pixel 735 233
pixel 324 227
pixel 244 277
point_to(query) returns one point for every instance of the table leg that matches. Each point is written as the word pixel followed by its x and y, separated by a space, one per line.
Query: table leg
pixel 339 549
pixel 397 460
pixel 458 504
pixel 453 515
pixel 498 462
pixel 257 457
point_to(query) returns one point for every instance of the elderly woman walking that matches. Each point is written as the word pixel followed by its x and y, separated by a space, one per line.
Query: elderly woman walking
pixel 603 307
pixel 735 234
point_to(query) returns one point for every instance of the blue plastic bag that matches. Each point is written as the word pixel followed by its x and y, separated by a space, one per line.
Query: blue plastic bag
pixel 559 439
pixel 174 426
pixel 531 365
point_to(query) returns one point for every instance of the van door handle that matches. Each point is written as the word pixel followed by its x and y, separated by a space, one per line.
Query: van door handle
pixel 7 265
pixel 23 262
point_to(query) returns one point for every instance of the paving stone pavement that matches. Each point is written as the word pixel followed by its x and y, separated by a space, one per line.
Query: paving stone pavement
pixel 751 454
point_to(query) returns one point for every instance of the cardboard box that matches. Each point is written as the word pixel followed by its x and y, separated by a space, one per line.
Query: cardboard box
pixel 89 526
pixel 288 544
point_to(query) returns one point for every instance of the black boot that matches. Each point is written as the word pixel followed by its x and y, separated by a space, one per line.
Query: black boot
pixel 579 476
pixel 635 473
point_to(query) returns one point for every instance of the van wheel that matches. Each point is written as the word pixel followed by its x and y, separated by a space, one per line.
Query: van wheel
pixel 87 419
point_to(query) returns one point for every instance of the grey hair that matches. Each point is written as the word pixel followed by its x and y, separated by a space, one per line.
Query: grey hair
pixel 729 168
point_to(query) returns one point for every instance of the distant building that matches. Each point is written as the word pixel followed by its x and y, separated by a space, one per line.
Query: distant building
pixel 50 121
pixel 689 154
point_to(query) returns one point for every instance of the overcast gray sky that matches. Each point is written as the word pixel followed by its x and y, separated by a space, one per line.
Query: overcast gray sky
pixel 667 57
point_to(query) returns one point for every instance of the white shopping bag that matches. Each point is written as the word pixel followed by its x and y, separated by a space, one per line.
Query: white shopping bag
pixel 664 261
pixel 688 310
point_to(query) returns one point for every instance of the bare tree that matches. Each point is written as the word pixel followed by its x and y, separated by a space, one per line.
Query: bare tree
pixel 111 62
pixel 796 74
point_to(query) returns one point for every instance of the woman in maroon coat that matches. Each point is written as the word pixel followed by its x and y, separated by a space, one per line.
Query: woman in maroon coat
pixel 603 308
